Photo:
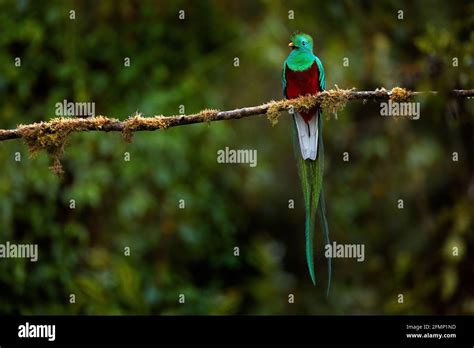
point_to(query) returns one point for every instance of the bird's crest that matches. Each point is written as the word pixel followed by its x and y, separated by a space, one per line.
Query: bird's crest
pixel 299 37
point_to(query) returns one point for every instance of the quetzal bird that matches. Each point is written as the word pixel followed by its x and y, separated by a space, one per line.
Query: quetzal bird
pixel 303 74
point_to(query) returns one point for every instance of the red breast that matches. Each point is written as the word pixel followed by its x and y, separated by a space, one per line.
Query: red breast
pixel 300 83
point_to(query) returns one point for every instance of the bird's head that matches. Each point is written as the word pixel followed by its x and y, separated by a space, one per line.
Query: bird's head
pixel 301 41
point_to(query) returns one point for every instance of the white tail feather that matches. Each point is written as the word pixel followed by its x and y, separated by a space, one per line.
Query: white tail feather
pixel 308 136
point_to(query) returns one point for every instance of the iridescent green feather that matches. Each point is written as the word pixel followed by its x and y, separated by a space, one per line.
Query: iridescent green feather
pixel 310 172
pixel 311 177
pixel 322 201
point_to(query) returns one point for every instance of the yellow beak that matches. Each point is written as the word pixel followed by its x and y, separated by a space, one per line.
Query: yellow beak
pixel 291 44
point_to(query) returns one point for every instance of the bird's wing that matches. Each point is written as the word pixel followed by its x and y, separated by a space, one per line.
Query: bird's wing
pixel 322 76
pixel 283 79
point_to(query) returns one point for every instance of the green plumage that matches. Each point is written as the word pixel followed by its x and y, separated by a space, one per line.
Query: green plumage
pixel 298 78
pixel 311 177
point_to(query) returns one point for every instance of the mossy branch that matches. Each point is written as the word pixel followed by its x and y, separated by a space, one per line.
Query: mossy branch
pixel 52 136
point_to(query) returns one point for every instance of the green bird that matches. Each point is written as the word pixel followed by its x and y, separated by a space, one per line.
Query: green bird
pixel 303 74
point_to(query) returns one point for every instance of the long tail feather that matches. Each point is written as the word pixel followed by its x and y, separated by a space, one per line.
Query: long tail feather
pixel 324 224
pixel 306 170
pixel 311 176
pixel 322 207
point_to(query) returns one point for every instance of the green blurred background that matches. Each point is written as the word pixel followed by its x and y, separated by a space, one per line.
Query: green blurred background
pixel 190 251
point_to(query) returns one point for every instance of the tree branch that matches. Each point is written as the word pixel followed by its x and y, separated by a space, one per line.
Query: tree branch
pixel 327 99
pixel 52 136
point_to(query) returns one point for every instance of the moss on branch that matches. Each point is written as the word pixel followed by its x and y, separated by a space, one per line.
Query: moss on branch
pixel 52 136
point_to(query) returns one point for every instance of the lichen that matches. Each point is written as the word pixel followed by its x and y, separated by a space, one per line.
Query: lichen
pixel 52 136
pixel 334 100
pixel 208 114
pixel 138 122
pixel 381 92
pixel 398 94
pixel 303 103
pixel 273 112
pixel 48 136
pixel 331 102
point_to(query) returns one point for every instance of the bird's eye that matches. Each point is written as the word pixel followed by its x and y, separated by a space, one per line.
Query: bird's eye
pixel 304 43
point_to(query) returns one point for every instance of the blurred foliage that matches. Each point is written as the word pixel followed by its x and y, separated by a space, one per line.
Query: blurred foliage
pixel 189 62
